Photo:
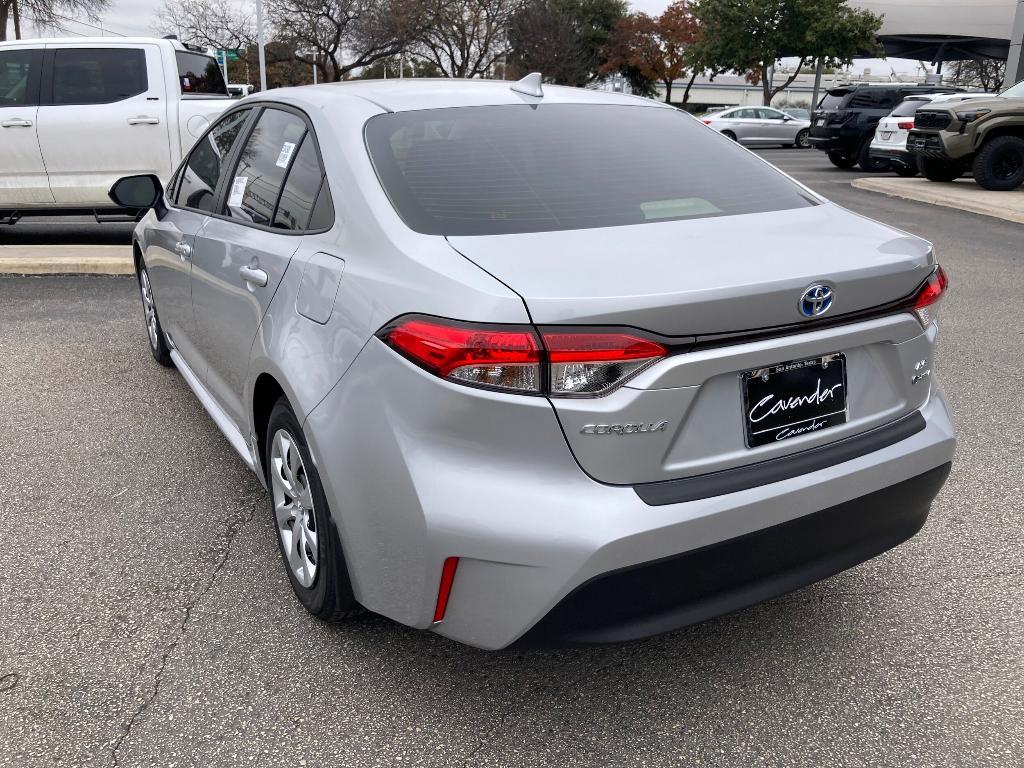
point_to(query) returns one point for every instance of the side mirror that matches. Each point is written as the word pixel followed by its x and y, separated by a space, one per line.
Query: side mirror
pixel 137 191
pixel 787 118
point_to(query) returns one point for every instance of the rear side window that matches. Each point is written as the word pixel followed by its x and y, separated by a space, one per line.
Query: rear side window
pixel 300 190
pixel 262 165
pixel 873 98
pixel 519 168
pixel 98 75
pixel 200 74
pixel 15 78
pixel 202 171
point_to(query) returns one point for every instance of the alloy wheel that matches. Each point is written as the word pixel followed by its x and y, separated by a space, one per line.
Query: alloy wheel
pixel 1007 164
pixel 293 508
pixel 149 306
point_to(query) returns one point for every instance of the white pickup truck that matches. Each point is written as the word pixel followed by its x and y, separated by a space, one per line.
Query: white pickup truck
pixel 78 114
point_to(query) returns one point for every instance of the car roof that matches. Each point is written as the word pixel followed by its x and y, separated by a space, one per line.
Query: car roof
pixel 39 42
pixel 403 95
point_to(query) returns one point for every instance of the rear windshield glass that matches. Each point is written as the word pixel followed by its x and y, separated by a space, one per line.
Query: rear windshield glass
pixel 200 74
pixel 510 169
pixel 908 108
pixel 833 100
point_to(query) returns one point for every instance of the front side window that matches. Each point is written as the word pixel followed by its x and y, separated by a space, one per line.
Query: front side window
pixel 199 74
pixel 201 172
pixel 98 75
pixel 262 165
pixel 15 68
pixel 517 168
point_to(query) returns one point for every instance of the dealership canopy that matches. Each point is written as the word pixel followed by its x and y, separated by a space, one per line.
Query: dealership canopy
pixel 944 30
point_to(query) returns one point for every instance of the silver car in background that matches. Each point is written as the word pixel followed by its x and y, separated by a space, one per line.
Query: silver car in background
pixel 760 126
pixel 503 392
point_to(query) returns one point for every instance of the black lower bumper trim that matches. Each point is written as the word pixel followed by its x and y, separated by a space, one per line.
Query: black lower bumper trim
pixel 782 468
pixel 670 593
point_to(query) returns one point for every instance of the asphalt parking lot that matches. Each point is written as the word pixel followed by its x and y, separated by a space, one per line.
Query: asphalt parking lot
pixel 145 618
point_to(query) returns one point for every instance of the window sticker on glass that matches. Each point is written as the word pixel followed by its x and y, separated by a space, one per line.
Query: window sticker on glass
pixel 237 191
pixel 286 154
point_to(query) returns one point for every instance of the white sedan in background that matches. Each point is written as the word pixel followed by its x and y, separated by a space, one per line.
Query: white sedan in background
pixel 760 126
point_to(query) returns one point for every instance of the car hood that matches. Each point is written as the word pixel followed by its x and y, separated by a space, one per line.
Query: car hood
pixel 705 276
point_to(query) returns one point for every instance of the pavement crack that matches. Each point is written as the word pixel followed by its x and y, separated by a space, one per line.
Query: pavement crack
pixel 232 530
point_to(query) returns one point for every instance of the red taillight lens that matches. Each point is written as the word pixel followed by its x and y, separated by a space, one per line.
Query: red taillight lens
pixel 497 358
pixel 929 294
pixel 577 363
pixel 905 125
pixel 585 363
pixel 706 122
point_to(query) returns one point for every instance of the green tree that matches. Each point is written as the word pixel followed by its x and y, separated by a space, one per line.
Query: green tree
pixel 750 36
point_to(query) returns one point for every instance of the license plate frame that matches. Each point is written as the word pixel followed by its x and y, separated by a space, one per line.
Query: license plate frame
pixel 798 397
pixel 885 135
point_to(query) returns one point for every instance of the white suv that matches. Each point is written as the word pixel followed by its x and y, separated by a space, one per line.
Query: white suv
pixel 76 115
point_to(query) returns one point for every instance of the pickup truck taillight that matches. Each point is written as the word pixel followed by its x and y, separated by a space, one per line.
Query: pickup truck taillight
pixel 520 359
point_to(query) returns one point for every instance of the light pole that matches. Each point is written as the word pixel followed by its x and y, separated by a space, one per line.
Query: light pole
pixel 260 43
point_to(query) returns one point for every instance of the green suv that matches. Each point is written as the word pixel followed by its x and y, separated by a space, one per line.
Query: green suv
pixel 984 135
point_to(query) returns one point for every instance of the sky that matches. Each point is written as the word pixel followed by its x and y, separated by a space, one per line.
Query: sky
pixel 135 17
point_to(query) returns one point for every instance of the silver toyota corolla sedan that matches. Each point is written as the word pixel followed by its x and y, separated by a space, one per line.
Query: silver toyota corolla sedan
pixel 542 366
pixel 761 126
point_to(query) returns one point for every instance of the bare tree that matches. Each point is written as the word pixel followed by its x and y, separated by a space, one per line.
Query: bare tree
pixel 338 36
pixel 986 74
pixel 53 14
pixel 544 40
pixel 208 23
pixel 467 37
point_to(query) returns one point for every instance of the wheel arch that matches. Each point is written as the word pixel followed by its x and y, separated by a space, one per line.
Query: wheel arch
pixel 1008 126
pixel 266 392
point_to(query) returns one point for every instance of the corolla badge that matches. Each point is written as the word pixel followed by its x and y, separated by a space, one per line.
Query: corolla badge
pixel 816 300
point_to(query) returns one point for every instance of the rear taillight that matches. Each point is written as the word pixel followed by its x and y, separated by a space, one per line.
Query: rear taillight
pixel 585 363
pixel 905 125
pixel 557 362
pixel 706 122
pixel 498 358
pixel 929 294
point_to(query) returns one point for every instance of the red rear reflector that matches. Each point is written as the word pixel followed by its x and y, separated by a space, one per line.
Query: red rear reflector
pixel 447 579
pixel 906 125
pixel 932 289
pixel 706 122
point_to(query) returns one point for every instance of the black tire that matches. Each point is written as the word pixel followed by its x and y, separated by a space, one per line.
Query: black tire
pixel 999 164
pixel 801 139
pixel 840 160
pixel 154 331
pixel 329 595
pixel 870 164
pixel 906 171
pixel 941 171
pixel 729 135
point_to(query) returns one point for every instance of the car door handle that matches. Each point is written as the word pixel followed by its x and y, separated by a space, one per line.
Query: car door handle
pixel 254 276
pixel 16 122
pixel 143 120
pixel 184 250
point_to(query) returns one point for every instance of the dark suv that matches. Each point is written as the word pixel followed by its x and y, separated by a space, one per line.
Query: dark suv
pixel 845 120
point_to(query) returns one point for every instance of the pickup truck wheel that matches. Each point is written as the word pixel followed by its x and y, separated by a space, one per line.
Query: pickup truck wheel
pixel 868 163
pixel 938 170
pixel 155 332
pixel 306 534
pixel 840 160
pixel 999 164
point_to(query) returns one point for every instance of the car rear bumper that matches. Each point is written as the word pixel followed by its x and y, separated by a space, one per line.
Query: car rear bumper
pixel 654 597
pixel 417 470
pixel 893 155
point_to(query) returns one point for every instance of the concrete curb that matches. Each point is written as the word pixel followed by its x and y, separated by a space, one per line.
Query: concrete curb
pixel 66 260
pixel 963 194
